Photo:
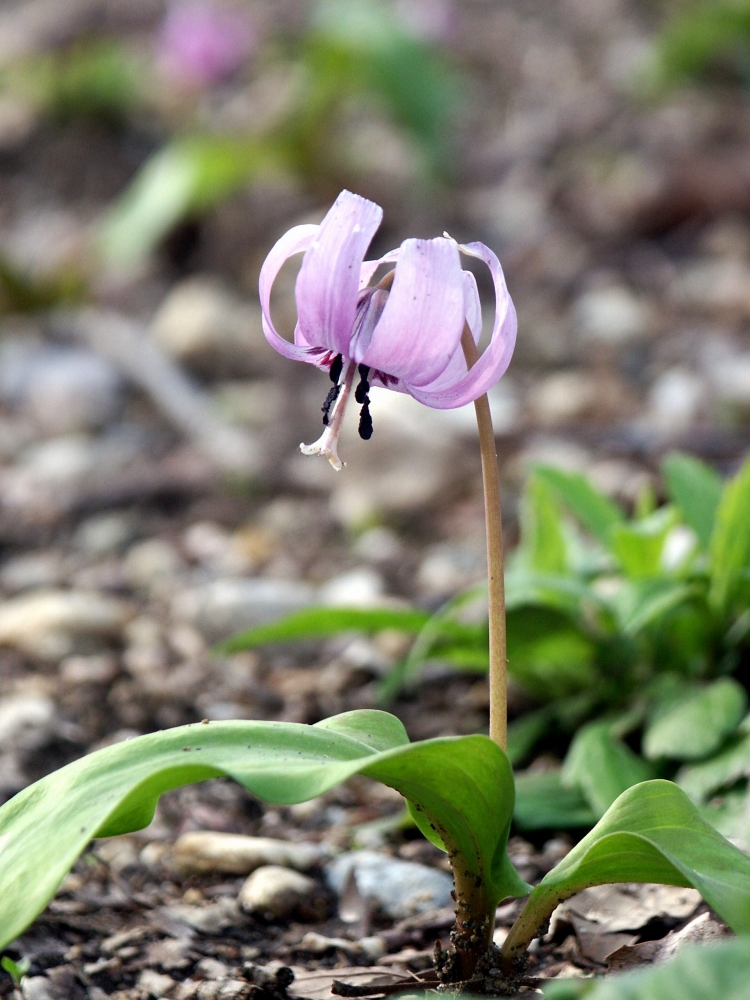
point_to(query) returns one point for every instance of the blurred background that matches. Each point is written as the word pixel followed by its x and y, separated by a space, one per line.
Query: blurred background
pixel 152 496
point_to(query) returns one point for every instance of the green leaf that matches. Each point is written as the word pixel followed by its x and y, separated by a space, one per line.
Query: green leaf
pixel 700 781
pixel 730 541
pixel 542 547
pixel 602 766
pixel 652 833
pixel 548 655
pixel 593 509
pixel 525 732
pixel 188 175
pixel 695 723
pixel 544 803
pixel 695 488
pixel 702 972
pixel 461 787
pixel 642 603
pixel 16 970
pixel 322 622
pixel 638 546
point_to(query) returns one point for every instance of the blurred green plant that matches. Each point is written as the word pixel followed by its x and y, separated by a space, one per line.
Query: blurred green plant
pixel 354 50
pixel 706 36
pixel 632 635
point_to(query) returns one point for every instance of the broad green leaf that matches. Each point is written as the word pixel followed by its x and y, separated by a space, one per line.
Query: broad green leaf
pixel 542 540
pixel 597 513
pixel 321 622
pixel 570 595
pixel 188 175
pixel 652 833
pixel 695 724
pixel 642 603
pixel 730 540
pixel 525 732
pixel 702 972
pixel 462 788
pixel 696 490
pixel 548 655
pixel 700 781
pixel 544 803
pixel 638 545
pixel 602 766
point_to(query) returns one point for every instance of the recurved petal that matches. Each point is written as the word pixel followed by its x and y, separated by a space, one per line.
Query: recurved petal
pixel 495 359
pixel 294 241
pixel 328 281
pixel 421 324
pixel 457 367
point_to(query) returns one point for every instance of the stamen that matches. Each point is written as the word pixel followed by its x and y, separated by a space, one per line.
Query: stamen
pixel 362 396
pixel 329 401
pixel 336 366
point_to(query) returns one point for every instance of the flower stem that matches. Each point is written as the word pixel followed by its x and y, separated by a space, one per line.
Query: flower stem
pixel 496 583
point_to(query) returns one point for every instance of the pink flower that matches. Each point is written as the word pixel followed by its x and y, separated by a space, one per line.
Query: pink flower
pixel 204 42
pixel 403 334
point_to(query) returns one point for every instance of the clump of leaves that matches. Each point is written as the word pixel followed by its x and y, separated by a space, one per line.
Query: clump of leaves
pixel 459 789
pixel 632 634
pixel 705 37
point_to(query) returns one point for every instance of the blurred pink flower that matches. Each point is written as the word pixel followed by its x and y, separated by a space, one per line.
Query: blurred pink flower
pixel 204 42
pixel 403 334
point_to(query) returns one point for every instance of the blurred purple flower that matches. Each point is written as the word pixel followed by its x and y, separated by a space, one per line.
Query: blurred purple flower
pixel 203 43
pixel 403 334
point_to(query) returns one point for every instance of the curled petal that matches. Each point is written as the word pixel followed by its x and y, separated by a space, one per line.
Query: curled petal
pixel 495 359
pixel 295 241
pixel 421 324
pixel 328 281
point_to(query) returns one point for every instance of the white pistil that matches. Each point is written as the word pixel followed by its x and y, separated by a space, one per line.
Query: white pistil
pixel 327 443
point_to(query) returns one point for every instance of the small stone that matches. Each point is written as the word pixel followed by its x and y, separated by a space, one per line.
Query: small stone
pixel 208 851
pixel 211 968
pixel 730 376
pixel 611 315
pixel 118 853
pixel 675 399
pixel 401 888
pixel 224 989
pixel 155 984
pixel 26 721
pixel 32 569
pixel 275 891
pixel 103 534
pixel 448 568
pixel 562 397
pixel 378 545
pixel 99 669
pixel 224 607
pixel 206 326
pixel 359 588
pixel 151 563
pixel 62 389
pixel 44 622
pixel 36 988
pixel 715 287
pixel 210 919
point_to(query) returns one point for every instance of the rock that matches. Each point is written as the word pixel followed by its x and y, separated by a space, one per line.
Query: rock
pixel 103 534
pixel 378 545
pixel 208 851
pixel 62 388
pixel 401 888
pixel 36 988
pixel 32 569
pixel 150 563
pixel 224 989
pixel 562 397
pixel 97 669
pixel 448 568
pixel 224 607
pixel 359 588
pixel 257 403
pixel 45 622
pixel 210 919
pixel 611 315
pixel 204 325
pixel 714 286
pixel 155 984
pixel 210 968
pixel 730 378
pixel 675 400
pixel 275 891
